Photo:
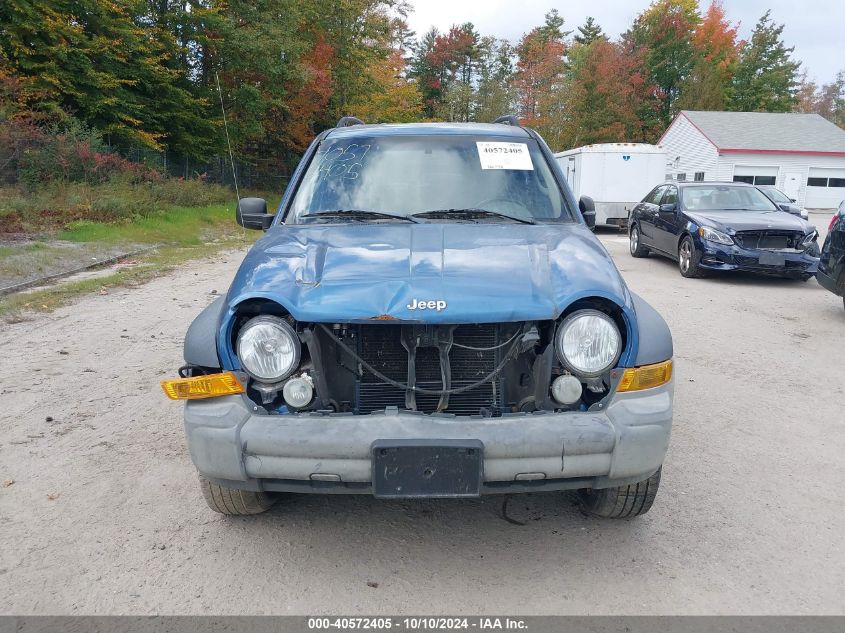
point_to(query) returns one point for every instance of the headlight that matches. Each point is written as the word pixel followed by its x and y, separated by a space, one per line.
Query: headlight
pixel 809 239
pixel 268 348
pixel 712 235
pixel 588 343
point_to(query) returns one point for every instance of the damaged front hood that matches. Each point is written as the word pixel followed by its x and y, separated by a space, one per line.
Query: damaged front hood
pixel 750 220
pixel 462 273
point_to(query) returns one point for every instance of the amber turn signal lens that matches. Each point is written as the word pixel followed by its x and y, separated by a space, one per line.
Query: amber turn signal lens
pixel 202 387
pixel 645 377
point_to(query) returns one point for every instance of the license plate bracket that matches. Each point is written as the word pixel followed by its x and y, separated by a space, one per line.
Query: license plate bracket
pixel 427 468
pixel 772 259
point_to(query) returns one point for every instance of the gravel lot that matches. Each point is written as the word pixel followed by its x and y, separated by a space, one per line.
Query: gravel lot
pixel 105 516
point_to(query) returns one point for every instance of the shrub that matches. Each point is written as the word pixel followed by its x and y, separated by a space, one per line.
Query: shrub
pixel 76 153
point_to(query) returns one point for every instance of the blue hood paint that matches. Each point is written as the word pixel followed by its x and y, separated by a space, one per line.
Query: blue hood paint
pixel 485 272
pixel 369 273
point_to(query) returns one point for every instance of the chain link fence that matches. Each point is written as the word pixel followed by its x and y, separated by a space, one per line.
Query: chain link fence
pixel 257 174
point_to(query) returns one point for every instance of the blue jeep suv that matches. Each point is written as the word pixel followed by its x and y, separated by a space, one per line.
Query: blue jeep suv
pixel 427 315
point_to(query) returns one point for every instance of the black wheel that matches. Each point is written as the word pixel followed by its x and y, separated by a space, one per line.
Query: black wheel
pixel 622 502
pixel 688 259
pixel 233 501
pixel 635 243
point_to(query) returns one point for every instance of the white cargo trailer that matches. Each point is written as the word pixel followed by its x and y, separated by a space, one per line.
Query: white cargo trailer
pixel 615 175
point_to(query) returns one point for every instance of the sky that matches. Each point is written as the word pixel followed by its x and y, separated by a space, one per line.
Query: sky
pixel 814 27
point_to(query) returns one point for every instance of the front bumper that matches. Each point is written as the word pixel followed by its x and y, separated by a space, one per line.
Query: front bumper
pixel 724 257
pixel 311 452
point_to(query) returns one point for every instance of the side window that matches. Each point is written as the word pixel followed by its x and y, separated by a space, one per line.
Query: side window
pixel 654 196
pixel 671 196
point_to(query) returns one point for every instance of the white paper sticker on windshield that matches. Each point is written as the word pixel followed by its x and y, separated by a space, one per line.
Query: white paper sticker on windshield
pixel 504 156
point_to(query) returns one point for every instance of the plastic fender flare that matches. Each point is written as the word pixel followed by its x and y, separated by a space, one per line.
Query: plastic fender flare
pixel 655 339
pixel 201 338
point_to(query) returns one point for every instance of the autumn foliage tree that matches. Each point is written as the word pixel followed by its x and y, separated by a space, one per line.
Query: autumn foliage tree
pixel 394 98
pixel 603 95
pixel 708 86
pixel 539 77
pixel 142 75
pixel 662 36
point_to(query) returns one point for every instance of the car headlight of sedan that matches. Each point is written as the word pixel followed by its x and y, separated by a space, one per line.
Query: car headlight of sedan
pixel 712 235
pixel 588 343
pixel 268 348
pixel 809 239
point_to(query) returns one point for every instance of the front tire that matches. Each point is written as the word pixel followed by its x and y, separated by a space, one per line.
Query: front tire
pixel 622 502
pixel 233 501
pixel 635 242
pixel 688 259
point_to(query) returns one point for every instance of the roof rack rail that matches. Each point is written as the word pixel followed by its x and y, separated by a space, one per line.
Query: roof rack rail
pixel 508 119
pixel 346 121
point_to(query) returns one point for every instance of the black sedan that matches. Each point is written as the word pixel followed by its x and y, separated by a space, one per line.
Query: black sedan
pixel 831 273
pixel 722 226
pixel 782 200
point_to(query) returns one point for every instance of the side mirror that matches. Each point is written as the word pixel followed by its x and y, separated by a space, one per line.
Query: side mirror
pixel 588 209
pixel 668 208
pixel 252 214
pixel 789 209
pixel 793 200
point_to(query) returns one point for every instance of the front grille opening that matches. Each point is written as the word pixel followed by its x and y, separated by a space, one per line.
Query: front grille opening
pixel 381 346
pixel 769 240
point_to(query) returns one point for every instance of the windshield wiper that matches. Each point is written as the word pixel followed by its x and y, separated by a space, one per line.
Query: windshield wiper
pixel 471 214
pixel 358 214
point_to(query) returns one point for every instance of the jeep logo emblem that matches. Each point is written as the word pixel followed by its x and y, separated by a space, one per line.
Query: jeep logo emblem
pixel 427 305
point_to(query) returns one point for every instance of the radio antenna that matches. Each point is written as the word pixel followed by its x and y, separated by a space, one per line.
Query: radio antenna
pixel 228 140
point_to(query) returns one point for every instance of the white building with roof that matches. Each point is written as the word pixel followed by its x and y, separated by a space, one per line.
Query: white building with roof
pixel 803 155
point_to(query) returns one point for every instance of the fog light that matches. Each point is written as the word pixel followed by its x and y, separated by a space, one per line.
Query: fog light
pixel 298 392
pixel 566 389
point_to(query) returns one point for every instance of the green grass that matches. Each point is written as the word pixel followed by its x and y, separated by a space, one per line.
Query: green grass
pixel 180 233
pixel 7 251
pixel 178 226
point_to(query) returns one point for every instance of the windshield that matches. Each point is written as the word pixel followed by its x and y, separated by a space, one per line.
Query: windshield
pixel 777 195
pixel 407 175
pixel 725 198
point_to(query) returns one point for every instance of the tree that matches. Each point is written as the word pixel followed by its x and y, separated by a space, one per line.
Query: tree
pixel 827 100
pixel 766 78
pixel 589 32
pixel 423 70
pixel 806 97
pixel 359 32
pixel 552 28
pixel 604 95
pixel 662 36
pixel 90 58
pixel 831 101
pixel 540 74
pixel 440 60
pixel 709 83
pixel 396 99
pixel 495 93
